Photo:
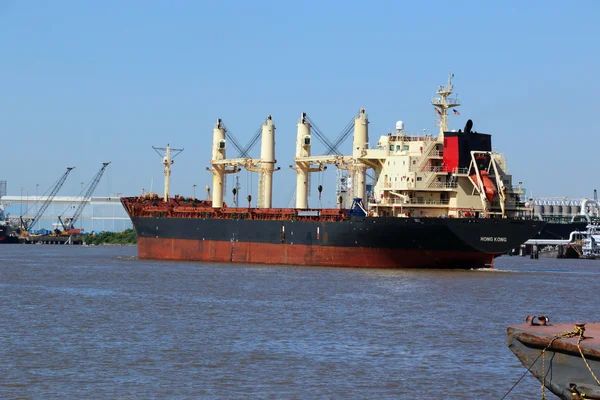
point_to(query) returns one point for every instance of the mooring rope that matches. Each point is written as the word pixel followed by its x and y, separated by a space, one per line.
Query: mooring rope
pixel 577 331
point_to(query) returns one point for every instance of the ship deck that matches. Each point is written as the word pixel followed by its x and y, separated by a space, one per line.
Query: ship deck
pixel 541 336
pixel 179 207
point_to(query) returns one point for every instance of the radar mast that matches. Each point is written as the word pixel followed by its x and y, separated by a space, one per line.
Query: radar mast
pixel 167 154
pixel 443 103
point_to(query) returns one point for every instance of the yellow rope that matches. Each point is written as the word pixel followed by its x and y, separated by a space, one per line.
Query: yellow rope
pixel 578 331
pixel 584 360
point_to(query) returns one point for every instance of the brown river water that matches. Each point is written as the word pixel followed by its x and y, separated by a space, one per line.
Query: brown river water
pixel 97 323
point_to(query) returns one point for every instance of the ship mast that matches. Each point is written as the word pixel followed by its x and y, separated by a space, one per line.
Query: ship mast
pixel 167 160
pixel 443 103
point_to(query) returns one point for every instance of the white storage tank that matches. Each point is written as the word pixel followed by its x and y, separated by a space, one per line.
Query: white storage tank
pixel 546 209
pixel 558 208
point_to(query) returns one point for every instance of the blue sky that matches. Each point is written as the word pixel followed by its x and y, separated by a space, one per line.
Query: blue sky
pixel 86 82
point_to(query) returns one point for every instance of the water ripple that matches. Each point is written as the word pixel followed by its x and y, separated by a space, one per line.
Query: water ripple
pixel 99 323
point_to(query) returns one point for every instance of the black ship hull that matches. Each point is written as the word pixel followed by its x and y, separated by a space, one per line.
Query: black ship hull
pixel 5 235
pixel 560 231
pixel 358 242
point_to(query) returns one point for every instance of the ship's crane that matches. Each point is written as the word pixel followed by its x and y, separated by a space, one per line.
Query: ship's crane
pixel 332 155
pixel 68 223
pixel 27 224
pixel 332 148
pixel 243 152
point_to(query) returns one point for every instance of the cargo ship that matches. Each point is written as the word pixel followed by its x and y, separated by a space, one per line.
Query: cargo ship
pixel 6 235
pixel 438 201
pixel 3 232
pixel 563 216
pixel 3 224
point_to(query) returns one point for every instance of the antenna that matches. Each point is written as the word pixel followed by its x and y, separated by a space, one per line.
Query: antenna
pixel 167 160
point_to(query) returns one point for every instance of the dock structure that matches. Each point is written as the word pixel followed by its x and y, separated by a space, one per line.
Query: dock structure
pixel 580 244
pixel 51 239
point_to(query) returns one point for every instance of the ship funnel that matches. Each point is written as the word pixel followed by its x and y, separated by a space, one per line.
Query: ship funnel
pixel 468 126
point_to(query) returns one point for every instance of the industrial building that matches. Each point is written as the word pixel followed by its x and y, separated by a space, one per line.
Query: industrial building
pixel 99 214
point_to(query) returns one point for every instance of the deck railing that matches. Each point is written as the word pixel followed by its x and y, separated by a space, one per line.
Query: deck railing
pixel 443 185
pixel 410 202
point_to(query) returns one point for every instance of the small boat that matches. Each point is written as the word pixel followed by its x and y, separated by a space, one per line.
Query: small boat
pixel 565 358
pixel 487 184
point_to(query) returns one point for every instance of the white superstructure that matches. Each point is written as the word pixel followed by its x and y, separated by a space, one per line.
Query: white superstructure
pixel 451 174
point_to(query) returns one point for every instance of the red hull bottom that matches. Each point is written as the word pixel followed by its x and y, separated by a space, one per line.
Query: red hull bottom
pixel 294 254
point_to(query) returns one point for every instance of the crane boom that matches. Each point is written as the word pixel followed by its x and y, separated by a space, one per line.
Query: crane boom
pixel 69 223
pixel 29 225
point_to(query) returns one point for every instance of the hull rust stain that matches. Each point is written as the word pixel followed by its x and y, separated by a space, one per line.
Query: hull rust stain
pixel 298 254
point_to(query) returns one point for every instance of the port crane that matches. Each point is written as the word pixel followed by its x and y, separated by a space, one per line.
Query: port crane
pixel 26 223
pixel 68 223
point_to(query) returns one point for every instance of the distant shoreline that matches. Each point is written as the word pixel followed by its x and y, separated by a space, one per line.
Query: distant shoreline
pixel 126 238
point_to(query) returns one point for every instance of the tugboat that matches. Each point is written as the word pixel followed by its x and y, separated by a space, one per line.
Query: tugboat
pixel 565 358
pixel 591 242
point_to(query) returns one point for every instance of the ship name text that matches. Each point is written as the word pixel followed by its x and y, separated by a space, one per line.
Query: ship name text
pixel 493 239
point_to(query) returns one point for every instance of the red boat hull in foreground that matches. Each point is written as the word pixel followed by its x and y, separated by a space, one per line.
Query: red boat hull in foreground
pixel 553 354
